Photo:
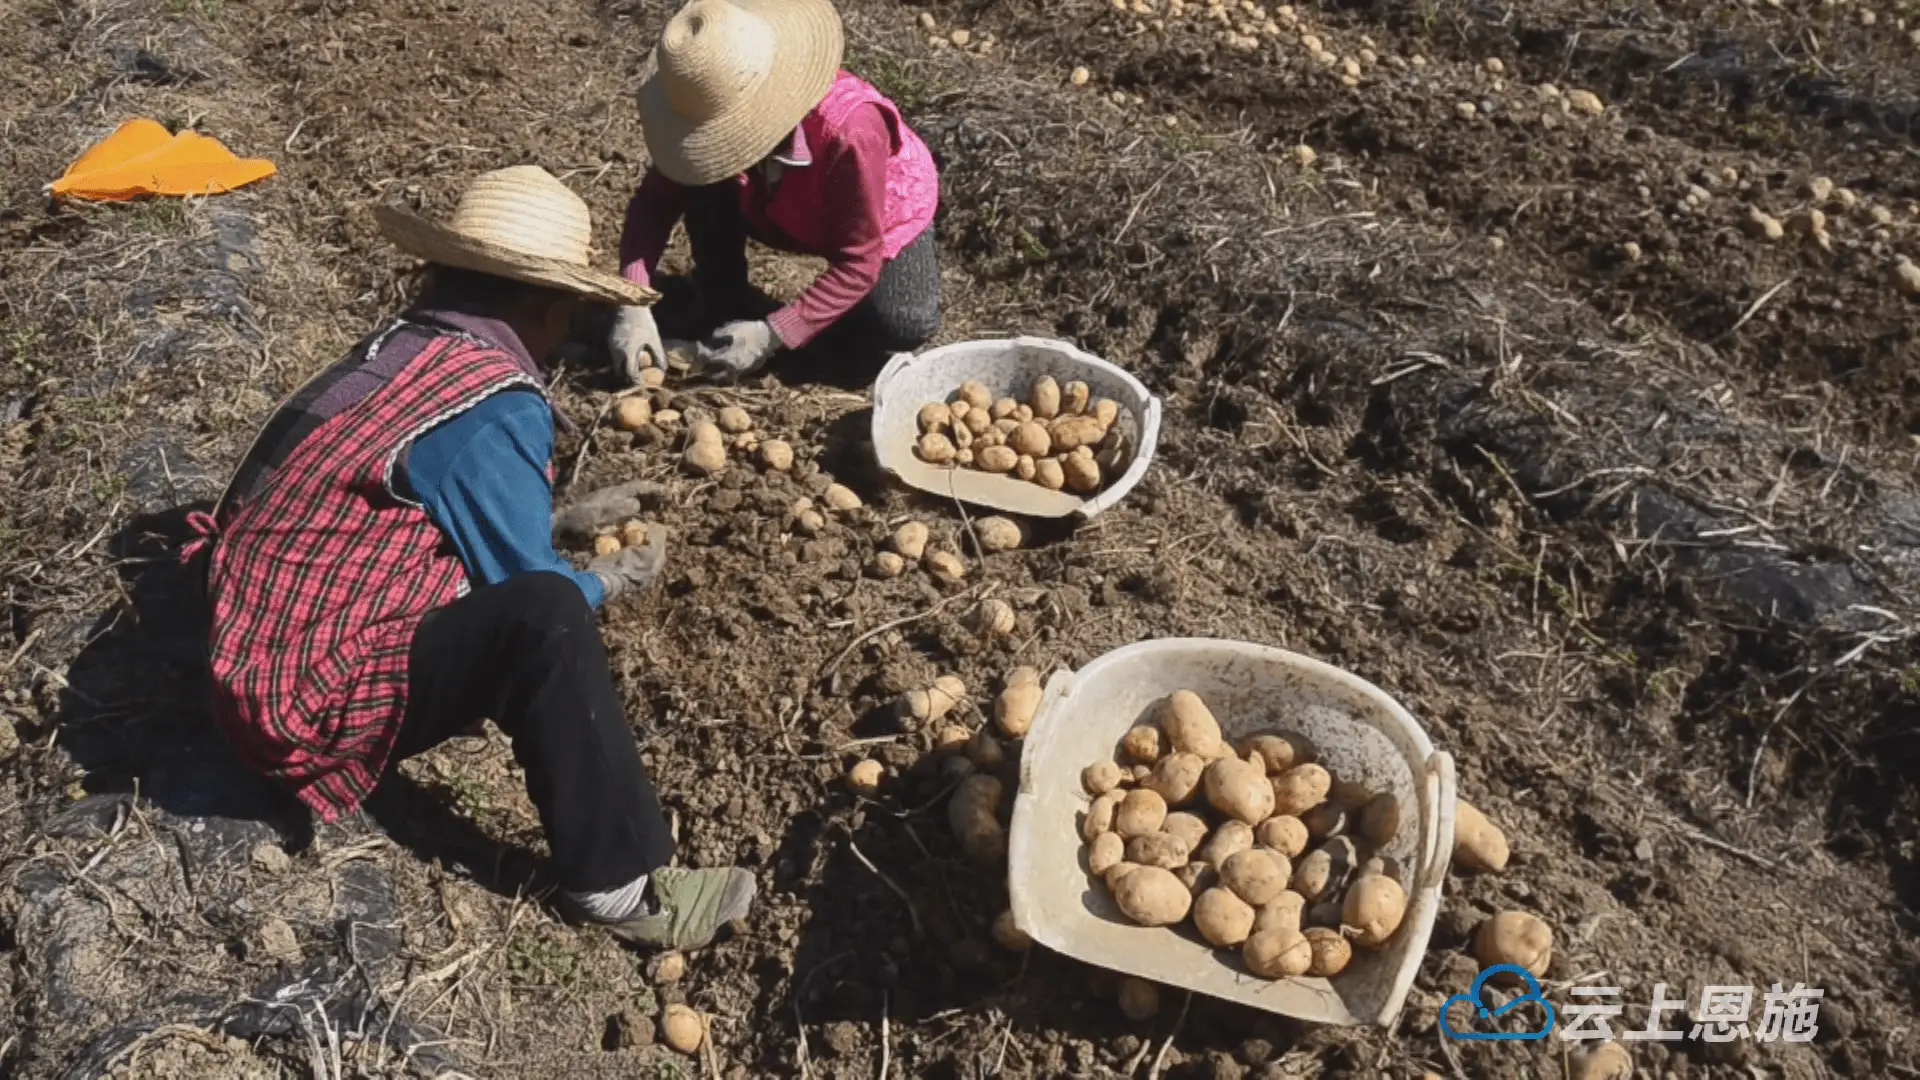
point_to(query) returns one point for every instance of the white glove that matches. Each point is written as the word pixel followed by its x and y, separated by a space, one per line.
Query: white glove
pixel 635 343
pixel 740 348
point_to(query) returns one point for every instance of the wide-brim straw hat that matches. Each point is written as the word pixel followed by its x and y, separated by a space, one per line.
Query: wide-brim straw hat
pixel 731 78
pixel 520 223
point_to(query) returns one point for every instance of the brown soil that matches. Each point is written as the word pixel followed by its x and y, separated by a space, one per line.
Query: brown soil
pixel 1636 539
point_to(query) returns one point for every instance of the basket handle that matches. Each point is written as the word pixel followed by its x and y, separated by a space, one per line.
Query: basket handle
pixel 1041 735
pixel 1438 790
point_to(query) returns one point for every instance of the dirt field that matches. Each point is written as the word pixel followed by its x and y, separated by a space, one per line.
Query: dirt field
pixel 1518 414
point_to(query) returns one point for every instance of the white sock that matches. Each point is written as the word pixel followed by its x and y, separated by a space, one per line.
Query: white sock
pixel 615 904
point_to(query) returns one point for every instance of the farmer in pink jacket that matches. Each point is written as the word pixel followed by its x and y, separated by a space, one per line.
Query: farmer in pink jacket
pixel 754 131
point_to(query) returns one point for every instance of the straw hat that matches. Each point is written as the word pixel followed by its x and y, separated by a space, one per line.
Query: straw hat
pixel 730 78
pixel 519 223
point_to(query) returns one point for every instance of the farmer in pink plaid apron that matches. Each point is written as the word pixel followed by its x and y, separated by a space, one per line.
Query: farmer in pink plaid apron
pixel 754 131
pixel 383 575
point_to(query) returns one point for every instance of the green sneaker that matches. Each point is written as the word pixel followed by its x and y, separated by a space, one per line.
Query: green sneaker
pixel 689 907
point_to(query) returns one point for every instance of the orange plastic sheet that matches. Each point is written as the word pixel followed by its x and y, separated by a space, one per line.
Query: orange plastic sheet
pixel 144 158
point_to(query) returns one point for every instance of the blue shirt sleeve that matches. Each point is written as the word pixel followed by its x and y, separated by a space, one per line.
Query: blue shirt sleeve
pixel 482 477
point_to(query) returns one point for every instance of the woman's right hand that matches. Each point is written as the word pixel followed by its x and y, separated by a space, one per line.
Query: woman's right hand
pixel 635 343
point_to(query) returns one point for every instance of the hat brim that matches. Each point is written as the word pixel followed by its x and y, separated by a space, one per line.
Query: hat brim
pixel 810 46
pixel 437 243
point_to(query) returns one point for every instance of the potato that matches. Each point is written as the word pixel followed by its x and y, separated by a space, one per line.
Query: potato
pixel 1044 398
pixel 1372 910
pixel 1141 745
pixel 632 413
pixel 1013 710
pixel 931 703
pixel 1074 397
pixel 1106 410
pixel 886 565
pixel 705 431
pixel 1189 725
pixel 1380 820
pixel 841 498
pixel 1031 438
pixel 985 751
pixel 1141 774
pixel 945 567
pixel 964 458
pixel 962 442
pixel 953 739
pixel 1284 834
pixel 910 540
pixel 977 421
pixel 1008 935
pixel 1100 816
pixel 1140 812
pixel 1283 912
pixel 1197 877
pixel 1256 875
pixel 1177 778
pixel 1349 795
pixel 997 533
pixel 809 522
pixel 935 416
pixel 1239 790
pixel 1324 872
pixel 974 815
pixel 1117 871
pixel 682 1029
pixel 1106 849
pixel 1514 937
pixel 633 534
pixel 1024 468
pixel 995 459
pixel 1100 777
pixel 1006 427
pixel 667 968
pixel 1023 414
pixel 1281 953
pixel 991 619
pixel 734 420
pixel 935 449
pixel 1070 433
pixel 1331 953
pixel 1139 1000
pixel 652 378
pixel 1602 1061
pixel 989 439
pixel 1190 828
pixel 704 458
pixel 1300 789
pixel 1222 918
pixel 1151 896
pixel 1161 849
pixel 1049 474
pixel 864 777
pixel 776 455
pixel 1002 408
pixel 666 418
pixel 1324 821
pixel 957 411
pixel 1478 844
pixel 975 394
pixel 606 545
pixel 1226 841
pixel 1382 866
pixel 1270 752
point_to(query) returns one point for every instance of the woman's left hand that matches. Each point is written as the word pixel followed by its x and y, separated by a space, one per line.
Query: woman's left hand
pixel 740 348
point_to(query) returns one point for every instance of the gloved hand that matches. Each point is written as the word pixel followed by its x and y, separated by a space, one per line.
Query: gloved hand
pixel 635 343
pixel 599 509
pixel 740 348
pixel 633 568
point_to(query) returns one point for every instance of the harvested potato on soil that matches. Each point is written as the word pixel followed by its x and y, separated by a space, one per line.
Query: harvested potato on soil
pixel 997 534
pixel 632 413
pixel 991 619
pixel 1281 953
pixel 1008 935
pixel 1104 852
pixel 1331 953
pixel 1284 834
pixel 1478 844
pixel 706 452
pixel 953 739
pixel 1372 910
pixel 682 1029
pixel 1239 790
pixel 985 751
pixel 1140 812
pixel 1256 875
pixel 776 455
pixel 931 703
pixel 1151 896
pixel 864 777
pixel 734 420
pixel 1603 1061
pixel 1300 789
pixel 886 565
pixel 945 567
pixel 1189 725
pixel 1139 1000
pixel 1514 937
pixel 910 540
pixel 1222 918
pixel 1013 710
pixel 841 498
pixel 974 816
pixel 1100 777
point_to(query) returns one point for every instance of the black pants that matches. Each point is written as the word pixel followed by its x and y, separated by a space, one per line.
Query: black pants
pixel 901 314
pixel 527 654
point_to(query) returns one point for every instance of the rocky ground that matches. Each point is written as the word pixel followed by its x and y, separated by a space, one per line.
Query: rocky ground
pixel 1485 374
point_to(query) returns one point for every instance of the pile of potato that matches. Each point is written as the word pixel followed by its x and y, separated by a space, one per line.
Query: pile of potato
pixel 708 439
pixel 626 535
pixel 1061 438
pixel 1261 847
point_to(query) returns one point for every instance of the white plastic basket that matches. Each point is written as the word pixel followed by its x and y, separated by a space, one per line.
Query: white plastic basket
pixel 1362 734
pixel 1007 367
